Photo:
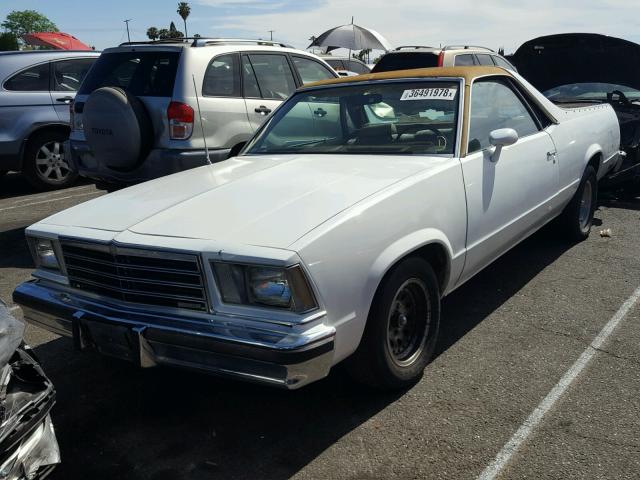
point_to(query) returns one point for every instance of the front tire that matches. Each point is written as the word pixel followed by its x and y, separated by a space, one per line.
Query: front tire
pixel 577 217
pixel 402 328
pixel 45 164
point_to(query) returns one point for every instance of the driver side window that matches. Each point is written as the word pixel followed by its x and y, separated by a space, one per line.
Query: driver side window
pixel 495 105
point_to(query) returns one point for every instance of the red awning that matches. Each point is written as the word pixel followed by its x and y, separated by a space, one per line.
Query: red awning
pixel 57 40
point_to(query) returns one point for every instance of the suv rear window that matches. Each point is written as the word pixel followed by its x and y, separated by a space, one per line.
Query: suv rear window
pixel 405 61
pixel 144 74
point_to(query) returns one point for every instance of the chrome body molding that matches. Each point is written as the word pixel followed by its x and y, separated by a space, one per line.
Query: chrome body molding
pixel 284 357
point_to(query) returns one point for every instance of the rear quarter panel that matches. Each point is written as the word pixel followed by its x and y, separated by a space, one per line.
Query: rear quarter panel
pixel 581 134
pixel 348 255
pixel 224 119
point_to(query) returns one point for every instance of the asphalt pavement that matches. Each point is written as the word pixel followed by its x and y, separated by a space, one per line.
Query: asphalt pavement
pixel 509 336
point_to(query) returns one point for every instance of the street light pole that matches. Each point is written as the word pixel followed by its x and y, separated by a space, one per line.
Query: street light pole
pixel 127 23
pixel 271 33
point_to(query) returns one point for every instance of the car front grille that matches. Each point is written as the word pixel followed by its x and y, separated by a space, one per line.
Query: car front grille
pixel 163 279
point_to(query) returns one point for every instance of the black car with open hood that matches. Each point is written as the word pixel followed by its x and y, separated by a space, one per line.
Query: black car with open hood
pixel 574 69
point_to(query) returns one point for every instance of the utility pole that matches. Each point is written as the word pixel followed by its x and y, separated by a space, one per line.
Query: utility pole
pixel 128 36
pixel 271 33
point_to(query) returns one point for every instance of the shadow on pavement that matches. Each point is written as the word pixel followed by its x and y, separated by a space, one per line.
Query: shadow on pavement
pixel 14 252
pixel 116 421
pixel 484 293
pixel 13 184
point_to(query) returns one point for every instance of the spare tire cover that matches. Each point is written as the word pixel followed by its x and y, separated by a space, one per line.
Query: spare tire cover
pixel 117 128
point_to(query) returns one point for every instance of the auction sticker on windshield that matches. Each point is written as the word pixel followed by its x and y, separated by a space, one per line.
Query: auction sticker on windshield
pixel 439 93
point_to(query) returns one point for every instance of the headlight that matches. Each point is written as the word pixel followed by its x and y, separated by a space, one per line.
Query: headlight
pixel 285 288
pixel 44 254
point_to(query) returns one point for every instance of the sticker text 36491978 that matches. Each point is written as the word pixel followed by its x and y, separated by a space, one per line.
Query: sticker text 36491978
pixel 438 93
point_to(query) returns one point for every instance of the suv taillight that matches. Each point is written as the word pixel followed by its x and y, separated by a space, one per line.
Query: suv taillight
pixel 180 117
pixel 441 58
pixel 75 115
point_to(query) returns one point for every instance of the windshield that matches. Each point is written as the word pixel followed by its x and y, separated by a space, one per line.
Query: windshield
pixel 390 118
pixel 589 91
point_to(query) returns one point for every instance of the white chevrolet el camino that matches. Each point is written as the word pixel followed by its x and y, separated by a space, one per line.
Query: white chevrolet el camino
pixel 333 236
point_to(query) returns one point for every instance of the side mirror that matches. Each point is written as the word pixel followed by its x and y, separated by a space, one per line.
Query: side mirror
pixel 502 137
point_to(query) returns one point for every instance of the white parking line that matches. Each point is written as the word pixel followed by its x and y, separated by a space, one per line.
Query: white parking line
pixel 525 430
pixel 49 200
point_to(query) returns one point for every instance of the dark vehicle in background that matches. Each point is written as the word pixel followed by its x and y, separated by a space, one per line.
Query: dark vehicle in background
pixel 578 69
pixel 36 89
pixel 409 57
pixel 28 445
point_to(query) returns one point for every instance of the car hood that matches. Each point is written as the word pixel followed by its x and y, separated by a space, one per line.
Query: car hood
pixel 257 200
pixel 556 60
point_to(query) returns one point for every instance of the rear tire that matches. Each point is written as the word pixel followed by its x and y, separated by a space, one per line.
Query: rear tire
pixel 44 165
pixel 402 329
pixel 577 217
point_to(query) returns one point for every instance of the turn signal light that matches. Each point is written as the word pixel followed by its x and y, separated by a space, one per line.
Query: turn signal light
pixel 180 117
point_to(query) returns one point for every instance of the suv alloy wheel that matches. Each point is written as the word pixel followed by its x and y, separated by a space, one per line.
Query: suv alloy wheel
pixel 45 164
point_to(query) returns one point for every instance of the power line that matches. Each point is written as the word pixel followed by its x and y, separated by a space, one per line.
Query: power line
pixel 127 23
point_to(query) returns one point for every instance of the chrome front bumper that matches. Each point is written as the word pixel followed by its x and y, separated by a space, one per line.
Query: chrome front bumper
pixel 224 345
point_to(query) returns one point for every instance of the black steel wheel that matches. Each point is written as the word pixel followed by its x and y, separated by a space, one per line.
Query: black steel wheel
pixel 402 327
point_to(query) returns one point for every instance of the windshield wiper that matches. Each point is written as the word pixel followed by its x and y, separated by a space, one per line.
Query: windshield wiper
pixel 310 142
pixel 578 100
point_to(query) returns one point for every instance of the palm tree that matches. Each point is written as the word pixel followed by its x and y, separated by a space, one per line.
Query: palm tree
pixel 184 10
pixel 152 33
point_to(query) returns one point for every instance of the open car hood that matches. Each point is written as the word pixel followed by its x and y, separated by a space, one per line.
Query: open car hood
pixel 556 60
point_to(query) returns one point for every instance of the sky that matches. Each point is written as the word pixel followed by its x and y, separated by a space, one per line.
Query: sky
pixel 491 23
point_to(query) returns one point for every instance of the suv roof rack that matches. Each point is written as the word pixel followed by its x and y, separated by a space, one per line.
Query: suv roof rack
pixel 414 47
pixel 204 41
pixel 466 47
pixel 154 42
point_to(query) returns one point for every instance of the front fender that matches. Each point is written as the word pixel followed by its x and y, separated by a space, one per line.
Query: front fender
pixel 400 249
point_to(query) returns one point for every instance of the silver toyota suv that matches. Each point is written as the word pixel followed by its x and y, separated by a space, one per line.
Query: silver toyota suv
pixel 154 108
pixel 36 88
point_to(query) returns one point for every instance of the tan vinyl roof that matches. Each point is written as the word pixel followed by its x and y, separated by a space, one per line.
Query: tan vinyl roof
pixel 468 73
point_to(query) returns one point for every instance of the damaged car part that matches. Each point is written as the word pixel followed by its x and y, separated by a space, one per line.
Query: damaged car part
pixel 28 445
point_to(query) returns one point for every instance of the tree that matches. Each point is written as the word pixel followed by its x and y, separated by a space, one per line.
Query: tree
pixel 22 22
pixel 153 33
pixel 8 42
pixel 363 55
pixel 163 33
pixel 174 32
pixel 184 10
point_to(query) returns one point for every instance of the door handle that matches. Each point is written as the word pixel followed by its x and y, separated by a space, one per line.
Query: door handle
pixel 262 110
pixel 551 156
pixel 64 99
